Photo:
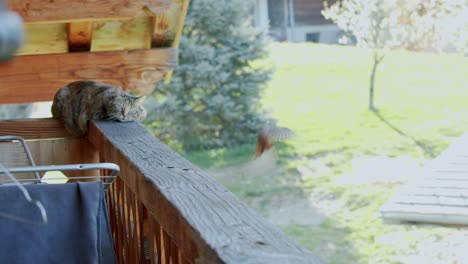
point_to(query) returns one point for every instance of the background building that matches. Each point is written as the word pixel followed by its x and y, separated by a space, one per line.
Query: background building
pixel 295 20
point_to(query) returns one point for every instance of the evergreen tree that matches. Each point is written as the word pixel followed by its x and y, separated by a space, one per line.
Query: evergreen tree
pixel 213 99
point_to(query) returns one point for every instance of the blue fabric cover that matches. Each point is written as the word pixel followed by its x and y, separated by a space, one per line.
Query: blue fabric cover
pixel 77 230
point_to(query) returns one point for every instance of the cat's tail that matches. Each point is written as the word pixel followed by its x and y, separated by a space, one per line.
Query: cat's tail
pixel 268 134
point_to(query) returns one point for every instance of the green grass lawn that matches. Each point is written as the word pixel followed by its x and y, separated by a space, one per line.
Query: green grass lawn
pixel 321 93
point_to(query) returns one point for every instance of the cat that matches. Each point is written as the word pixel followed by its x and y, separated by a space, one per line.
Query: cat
pixel 81 101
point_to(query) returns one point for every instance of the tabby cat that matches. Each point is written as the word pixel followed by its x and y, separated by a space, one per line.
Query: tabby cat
pixel 81 101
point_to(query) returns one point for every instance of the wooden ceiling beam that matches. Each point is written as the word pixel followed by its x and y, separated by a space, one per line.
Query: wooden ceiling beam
pixel 36 78
pixel 67 10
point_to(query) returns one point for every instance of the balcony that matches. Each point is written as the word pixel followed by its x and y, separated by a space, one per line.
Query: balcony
pixel 162 208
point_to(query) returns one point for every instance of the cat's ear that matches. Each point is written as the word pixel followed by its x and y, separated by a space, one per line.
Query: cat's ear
pixel 139 100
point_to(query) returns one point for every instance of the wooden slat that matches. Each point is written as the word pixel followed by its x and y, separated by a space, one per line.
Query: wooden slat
pixel 440 195
pixel 141 231
pixel 427 209
pixel 53 152
pixel 204 220
pixel 135 239
pixel 152 240
pixel 36 78
pixel 165 248
pixel 178 35
pixel 158 237
pixel 174 253
pixel 120 224
pixel 122 34
pixel 126 221
pixel 79 36
pixel 44 39
pixel 63 151
pixel 33 128
pixel 66 10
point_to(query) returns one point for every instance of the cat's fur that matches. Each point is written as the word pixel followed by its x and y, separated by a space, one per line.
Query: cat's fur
pixel 81 101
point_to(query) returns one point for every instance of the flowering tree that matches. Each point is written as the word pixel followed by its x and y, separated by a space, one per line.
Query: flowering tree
pixel 383 25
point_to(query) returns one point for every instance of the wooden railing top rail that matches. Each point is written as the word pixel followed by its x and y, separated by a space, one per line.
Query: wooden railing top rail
pixel 39 128
pixel 206 221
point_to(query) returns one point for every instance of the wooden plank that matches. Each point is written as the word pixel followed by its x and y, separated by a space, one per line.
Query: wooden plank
pixel 33 128
pixel 122 34
pixel 440 196
pixel 158 235
pixel 136 33
pixel 204 220
pixel 427 209
pixel 63 151
pixel 44 39
pixel 152 240
pixel 178 34
pixel 428 214
pixel 67 11
pixel 444 183
pixel 36 78
pixel 13 154
pixel 449 192
pixel 53 38
pixel 79 36
pixel 54 152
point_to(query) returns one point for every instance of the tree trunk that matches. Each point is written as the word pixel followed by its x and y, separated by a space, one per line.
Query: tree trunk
pixel 372 82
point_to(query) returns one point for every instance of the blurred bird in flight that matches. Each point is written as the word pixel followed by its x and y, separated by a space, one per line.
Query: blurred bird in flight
pixel 269 134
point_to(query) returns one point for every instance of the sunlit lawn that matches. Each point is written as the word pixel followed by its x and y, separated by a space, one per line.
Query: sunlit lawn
pixel 321 92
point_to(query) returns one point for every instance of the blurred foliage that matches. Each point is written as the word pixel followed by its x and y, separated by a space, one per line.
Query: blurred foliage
pixel 15 111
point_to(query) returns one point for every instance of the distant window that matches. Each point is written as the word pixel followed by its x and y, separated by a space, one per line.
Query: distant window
pixel 313 37
pixel 308 12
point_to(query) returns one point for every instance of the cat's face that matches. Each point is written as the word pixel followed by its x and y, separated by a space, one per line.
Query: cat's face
pixel 125 107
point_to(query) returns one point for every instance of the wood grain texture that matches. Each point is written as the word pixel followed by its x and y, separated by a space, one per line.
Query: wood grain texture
pixel 439 194
pixel 122 34
pixel 80 35
pixel 63 151
pixel 36 78
pixel 203 219
pixel 44 39
pixel 67 11
pixel 108 35
pixel 52 152
pixel 34 128
pixel 178 33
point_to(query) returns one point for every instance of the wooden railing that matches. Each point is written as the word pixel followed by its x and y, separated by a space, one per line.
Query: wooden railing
pixel 161 206
pixel 177 211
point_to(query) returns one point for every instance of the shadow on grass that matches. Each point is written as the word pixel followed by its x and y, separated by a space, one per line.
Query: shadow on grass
pixel 221 157
pixel 428 150
pixel 285 151
pixel 330 241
